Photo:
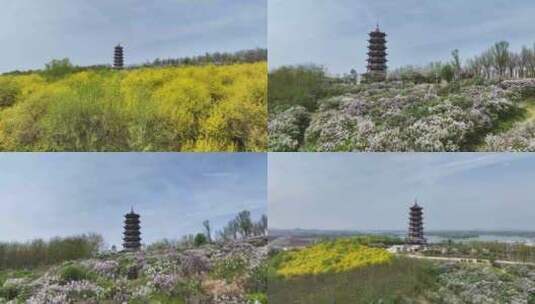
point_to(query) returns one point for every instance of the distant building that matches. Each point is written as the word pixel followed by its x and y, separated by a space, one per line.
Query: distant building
pixel 118 57
pixel 405 249
pixel 132 232
pixel 416 226
pixel 376 56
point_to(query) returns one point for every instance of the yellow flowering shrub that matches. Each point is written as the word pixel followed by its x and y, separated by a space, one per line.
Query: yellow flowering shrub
pixel 333 256
pixel 197 108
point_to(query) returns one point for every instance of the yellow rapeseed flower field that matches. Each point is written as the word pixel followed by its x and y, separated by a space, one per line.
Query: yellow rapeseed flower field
pixel 328 257
pixel 198 108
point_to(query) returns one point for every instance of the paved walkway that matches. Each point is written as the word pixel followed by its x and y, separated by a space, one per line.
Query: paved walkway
pixel 466 260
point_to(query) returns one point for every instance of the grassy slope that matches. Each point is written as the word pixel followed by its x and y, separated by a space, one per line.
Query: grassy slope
pixel 526 114
pixel 529 105
pixel 347 270
pixel 401 279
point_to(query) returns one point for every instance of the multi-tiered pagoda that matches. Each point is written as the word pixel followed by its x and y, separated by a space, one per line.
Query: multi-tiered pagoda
pixel 416 226
pixel 118 59
pixel 376 56
pixel 132 233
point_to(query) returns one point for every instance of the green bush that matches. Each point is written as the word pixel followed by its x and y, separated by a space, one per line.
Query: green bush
pixel 531 297
pixel 8 94
pixel 257 297
pixel 229 269
pixel 73 273
pixel 447 73
pixel 188 288
pixel 58 68
pixel 414 76
pixel 161 298
pixel 9 292
pixel 258 279
pixel 296 85
pixel 40 253
pixel 461 101
pixel 200 239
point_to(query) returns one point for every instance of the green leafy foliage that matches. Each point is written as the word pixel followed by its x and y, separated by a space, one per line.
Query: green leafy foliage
pixel 200 239
pixel 58 68
pixel 394 282
pixel 258 298
pixel 447 72
pixel 38 252
pixel 229 269
pixel 8 93
pixel 257 281
pixel 299 85
pixel 73 273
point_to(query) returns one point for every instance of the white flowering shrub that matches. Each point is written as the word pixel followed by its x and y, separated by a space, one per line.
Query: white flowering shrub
pixel 521 138
pixel 397 117
pixel 108 268
pixel 71 292
pixel 286 129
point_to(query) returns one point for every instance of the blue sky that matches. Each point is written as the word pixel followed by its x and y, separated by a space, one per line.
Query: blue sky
pixel 57 194
pixel 34 32
pixel 335 33
pixel 374 191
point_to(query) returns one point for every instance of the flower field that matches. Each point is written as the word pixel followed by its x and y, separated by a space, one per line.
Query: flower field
pixel 399 117
pixel 216 273
pixel 328 257
pixel 197 108
pixel 347 270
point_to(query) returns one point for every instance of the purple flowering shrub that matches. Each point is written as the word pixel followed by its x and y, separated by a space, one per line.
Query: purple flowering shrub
pixel 184 275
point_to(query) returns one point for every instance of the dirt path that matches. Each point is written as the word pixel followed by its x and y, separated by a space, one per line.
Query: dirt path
pixel 529 105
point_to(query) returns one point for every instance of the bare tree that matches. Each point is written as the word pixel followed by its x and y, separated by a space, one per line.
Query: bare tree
pixel 264 223
pixel 531 62
pixel 487 63
pixel 456 63
pixel 500 54
pixel 245 224
pixel 208 230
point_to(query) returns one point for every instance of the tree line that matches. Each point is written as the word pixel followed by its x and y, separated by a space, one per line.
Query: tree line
pixel 38 252
pixel 217 58
pixel 242 226
pixel 61 67
pixel 498 62
pixel 16 255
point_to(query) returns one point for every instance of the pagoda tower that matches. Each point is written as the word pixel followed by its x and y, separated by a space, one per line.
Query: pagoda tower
pixel 416 226
pixel 118 59
pixel 376 56
pixel 131 238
